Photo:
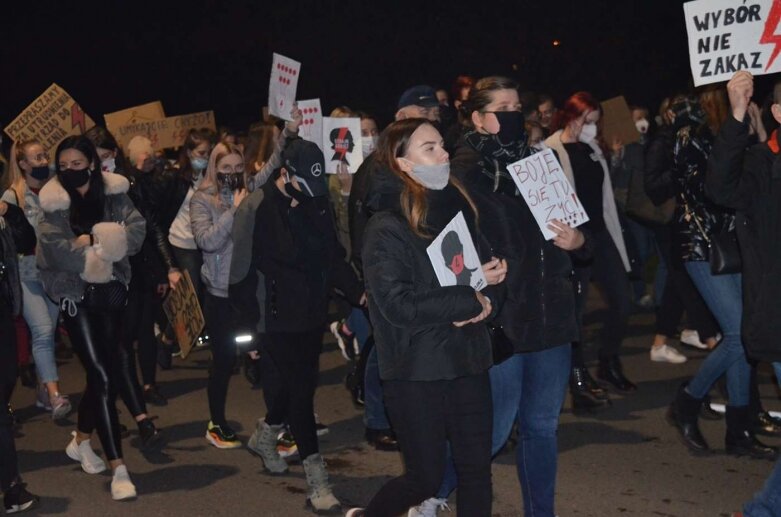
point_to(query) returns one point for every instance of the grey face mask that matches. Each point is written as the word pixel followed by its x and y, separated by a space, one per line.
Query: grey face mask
pixel 434 177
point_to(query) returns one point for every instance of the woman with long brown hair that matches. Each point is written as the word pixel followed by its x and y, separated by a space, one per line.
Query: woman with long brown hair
pixel 434 348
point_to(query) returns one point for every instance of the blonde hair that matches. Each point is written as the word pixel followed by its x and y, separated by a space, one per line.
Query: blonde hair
pixel 219 152
pixel 16 181
pixel 343 112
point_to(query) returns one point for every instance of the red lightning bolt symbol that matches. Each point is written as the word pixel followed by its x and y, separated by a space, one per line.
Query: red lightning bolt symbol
pixel 77 118
pixel 769 34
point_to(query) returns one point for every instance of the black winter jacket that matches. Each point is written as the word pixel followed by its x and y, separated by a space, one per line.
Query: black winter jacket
pixel 697 217
pixel 658 178
pixel 167 192
pixel 749 181
pixel 411 313
pixel 301 259
pixel 539 311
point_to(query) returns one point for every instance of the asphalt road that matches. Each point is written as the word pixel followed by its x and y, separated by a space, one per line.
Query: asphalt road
pixel 623 461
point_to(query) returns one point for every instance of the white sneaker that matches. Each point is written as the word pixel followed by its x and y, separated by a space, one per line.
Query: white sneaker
pixel 428 508
pixel 83 453
pixel 122 488
pixel 667 354
pixel 692 338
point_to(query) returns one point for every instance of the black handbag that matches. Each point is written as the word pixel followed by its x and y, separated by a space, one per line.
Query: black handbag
pixel 111 296
pixel 724 253
pixel 501 346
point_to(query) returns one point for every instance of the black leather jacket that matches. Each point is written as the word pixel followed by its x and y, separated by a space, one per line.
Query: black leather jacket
pixel 697 217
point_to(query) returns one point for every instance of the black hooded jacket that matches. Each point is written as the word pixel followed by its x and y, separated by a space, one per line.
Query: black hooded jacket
pixel 539 311
pixel 411 313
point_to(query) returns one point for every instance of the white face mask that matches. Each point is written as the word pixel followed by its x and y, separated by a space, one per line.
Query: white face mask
pixel 108 165
pixel 642 126
pixel 369 144
pixel 588 133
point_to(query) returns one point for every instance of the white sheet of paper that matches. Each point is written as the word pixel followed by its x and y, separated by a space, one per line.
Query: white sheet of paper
pixel 545 188
pixel 342 142
pixel 282 86
pixel 727 35
pixel 453 242
pixel 311 128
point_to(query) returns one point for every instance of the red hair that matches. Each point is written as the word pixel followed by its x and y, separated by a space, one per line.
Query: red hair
pixel 573 109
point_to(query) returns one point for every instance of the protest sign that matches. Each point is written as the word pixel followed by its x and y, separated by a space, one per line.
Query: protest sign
pixel 311 128
pixel 729 35
pixel 617 122
pixel 545 188
pixel 282 86
pixel 454 256
pixel 184 313
pixel 169 132
pixel 342 143
pixel 143 113
pixel 50 118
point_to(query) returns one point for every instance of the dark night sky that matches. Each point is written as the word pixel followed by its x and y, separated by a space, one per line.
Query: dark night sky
pixel 217 55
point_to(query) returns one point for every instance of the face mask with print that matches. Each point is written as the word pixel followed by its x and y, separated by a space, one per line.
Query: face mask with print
pixel 231 181
pixel 642 126
pixel 369 144
pixel 588 133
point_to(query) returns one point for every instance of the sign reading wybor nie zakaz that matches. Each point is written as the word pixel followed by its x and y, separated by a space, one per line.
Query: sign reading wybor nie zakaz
pixel 730 35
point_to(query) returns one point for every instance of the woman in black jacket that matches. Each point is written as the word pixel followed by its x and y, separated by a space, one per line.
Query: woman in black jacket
pixel 16 236
pixel 538 316
pixel 434 351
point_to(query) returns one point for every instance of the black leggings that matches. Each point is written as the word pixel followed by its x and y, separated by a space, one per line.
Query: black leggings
pixel 9 469
pixel 607 269
pixel 139 325
pixel 95 337
pixel 295 357
pixel 223 347
pixel 426 417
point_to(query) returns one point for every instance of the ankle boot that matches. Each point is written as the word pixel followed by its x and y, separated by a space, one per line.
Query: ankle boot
pixel 320 499
pixel 740 439
pixel 683 414
pixel 263 443
pixel 586 393
pixel 611 371
pixel 707 412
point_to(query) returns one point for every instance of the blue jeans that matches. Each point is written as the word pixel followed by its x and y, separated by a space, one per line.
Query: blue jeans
pixel 767 502
pixel 723 296
pixel 41 314
pixel 529 387
pixel 374 416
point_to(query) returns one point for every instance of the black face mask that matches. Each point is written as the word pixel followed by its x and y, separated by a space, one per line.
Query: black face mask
pixel 41 173
pixel 296 194
pixel 231 181
pixel 511 128
pixel 74 178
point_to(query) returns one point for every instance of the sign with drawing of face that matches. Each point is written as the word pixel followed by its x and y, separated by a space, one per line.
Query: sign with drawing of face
pixel 342 143
pixel 454 256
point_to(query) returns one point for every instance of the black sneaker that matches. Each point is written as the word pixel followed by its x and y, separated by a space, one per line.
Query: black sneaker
pixel 151 437
pixel 18 499
pixel 153 396
pixel 347 342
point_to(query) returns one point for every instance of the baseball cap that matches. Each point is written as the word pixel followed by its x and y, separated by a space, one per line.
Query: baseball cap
pixel 420 95
pixel 305 161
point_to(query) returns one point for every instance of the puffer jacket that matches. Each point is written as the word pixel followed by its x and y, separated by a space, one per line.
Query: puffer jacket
pixel 66 271
pixel 212 220
pixel 697 218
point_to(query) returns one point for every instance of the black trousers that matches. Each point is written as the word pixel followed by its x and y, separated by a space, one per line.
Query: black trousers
pixel 217 314
pixel 143 305
pixel 9 468
pixel 96 341
pixel 607 269
pixel 680 294
pixel 426 417
pixel 295 356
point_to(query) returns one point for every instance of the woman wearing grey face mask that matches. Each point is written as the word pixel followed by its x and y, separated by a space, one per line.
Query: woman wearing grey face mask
pixel 433 346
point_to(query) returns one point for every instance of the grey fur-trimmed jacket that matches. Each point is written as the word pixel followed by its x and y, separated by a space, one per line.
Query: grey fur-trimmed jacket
pixel 66 271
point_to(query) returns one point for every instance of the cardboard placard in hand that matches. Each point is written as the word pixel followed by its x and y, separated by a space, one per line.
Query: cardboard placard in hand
pixel 183 310
pixel 617 122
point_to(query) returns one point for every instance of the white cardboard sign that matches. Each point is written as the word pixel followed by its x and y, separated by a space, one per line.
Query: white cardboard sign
pixel 545 188
pixel 454 257
pixel 311 128
pixel 730 35
pixel 282 86
pixel 342 143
